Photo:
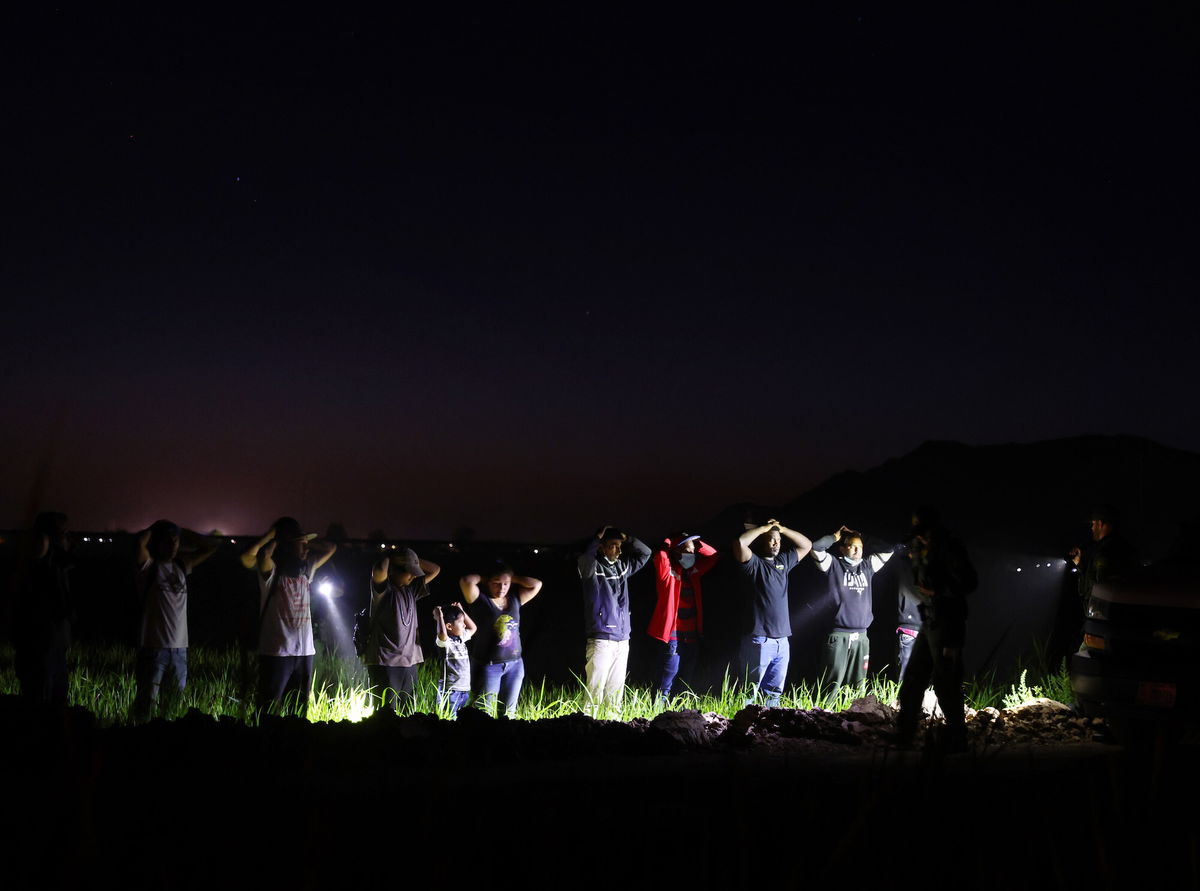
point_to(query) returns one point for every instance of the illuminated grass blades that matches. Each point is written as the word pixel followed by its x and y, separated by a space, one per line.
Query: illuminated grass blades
pixel 220 683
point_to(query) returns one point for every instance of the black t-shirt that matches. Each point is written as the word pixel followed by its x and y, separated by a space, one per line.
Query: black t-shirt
pixel 500 640
pixel 768 615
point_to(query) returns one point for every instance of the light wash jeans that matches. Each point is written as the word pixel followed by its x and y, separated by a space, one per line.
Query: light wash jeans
pixel 766 661
pixel 502 680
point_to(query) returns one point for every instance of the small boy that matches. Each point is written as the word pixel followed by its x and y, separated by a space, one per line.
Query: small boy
pixel 454 629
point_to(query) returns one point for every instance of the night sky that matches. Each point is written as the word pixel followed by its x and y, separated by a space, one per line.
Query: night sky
pixel 532 271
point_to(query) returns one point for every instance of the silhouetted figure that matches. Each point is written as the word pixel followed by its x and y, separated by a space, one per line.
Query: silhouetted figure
pixel 604 572
pixel 677 623
pixel 943 577
pixel 768 621
pixel 43 611
pixel 285 560
pixel 847 652
pixel 908 612
pixel 393 652
pixel 162 572
pixel 1110 556
pixel 498 605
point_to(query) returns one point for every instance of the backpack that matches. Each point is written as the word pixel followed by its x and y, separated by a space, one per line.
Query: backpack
pixel 364 624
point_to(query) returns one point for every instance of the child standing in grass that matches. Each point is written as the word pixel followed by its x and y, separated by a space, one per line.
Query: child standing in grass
pixel 162 571
pixel 454 629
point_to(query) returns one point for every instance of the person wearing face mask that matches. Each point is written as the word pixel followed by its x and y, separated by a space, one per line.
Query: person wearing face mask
pixel 678 620
pixel 604 572
pixel 847 649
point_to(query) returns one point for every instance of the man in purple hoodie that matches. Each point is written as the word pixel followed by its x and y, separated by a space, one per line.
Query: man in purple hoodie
pixel 604 571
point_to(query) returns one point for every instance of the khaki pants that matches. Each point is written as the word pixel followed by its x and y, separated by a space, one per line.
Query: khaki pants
pixel 606 661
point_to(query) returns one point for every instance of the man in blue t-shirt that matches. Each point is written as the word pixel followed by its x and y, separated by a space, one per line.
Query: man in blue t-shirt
pixel 768 623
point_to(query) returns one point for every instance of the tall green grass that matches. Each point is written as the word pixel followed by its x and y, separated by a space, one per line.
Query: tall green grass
pixel 220 683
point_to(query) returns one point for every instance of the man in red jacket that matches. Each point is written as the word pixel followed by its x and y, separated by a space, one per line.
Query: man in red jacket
pixel 678 619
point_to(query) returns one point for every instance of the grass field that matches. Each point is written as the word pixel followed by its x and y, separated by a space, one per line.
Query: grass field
pixel 220 683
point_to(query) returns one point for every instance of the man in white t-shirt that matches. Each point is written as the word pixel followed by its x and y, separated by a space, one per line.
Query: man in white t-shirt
pixel 162 570
pixel 286 559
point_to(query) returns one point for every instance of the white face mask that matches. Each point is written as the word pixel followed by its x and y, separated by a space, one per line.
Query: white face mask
pixel 853 561
pixel 687 561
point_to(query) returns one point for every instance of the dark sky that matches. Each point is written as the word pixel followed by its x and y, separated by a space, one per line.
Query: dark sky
pixel 535 271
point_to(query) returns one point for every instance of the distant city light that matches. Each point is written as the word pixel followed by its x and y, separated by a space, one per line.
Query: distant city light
pixel 1018 569
pixel 535 550
pixel 383 547
pixel 85 538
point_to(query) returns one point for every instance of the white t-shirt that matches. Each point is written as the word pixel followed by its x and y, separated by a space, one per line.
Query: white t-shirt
pixel 286 627
pixel 164 604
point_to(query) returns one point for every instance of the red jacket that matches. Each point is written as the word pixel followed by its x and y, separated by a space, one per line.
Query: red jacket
pixel 668 583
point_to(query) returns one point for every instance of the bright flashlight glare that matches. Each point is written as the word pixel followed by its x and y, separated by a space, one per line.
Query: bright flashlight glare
pixel 325 589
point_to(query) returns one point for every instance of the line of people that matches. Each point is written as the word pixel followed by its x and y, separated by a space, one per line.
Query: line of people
pixel 935 578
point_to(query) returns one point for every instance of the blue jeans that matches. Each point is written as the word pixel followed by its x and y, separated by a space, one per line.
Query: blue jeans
pixel 451 702
pixel 766 661
pixel 676 658
pixel 151 669
pixel 503 678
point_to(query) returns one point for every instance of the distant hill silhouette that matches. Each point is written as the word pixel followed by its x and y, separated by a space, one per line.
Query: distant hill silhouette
pixel 1027 497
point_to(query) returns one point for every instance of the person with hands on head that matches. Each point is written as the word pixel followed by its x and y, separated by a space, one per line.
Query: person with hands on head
pixel 604 572
pixel 847 649
pixel 498 605
pixel 677 623
pixel 165 556
pixel 767 623
pixel 286 559
pixel 454 629
pixel 393 650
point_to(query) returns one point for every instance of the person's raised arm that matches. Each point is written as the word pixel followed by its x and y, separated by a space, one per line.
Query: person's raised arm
pixel 587 560
pixel 249 557
pixel 469 585
pixel 800 543
pixel 528 587
pixel 379 577
pixel 143 547
pixel 741 545
pixel 820 549
pixel 881 556
pixel 319 552
pixel 706 557
pixel 379 572
pixel 442 636
pixel 199 547
pixel 640 556
pixel 469 626
pixel 431 570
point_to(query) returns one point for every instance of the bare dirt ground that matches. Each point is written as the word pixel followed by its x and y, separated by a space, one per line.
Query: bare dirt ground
pixel 777 797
